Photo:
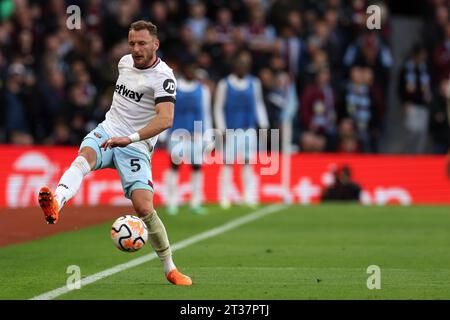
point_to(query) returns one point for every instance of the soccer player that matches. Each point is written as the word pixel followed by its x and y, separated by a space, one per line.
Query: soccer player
pixel 239 104
pixel 193 104
pixel 142 107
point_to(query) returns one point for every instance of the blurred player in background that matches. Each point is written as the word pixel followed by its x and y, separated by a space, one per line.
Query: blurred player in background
pixel 193 108
pixel 448 119
pixel 239 104
pixel 142 107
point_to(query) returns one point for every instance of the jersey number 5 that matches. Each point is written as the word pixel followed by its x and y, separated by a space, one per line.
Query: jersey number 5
pixel 135 163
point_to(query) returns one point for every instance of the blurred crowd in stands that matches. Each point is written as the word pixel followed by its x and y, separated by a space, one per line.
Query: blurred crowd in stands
pixel 56 84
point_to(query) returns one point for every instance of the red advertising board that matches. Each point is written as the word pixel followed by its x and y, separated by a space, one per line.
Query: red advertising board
pixel 384 179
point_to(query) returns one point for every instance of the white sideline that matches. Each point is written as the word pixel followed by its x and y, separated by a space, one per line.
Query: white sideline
pixel 179 245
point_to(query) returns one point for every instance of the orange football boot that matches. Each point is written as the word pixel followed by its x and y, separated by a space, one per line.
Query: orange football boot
pixel 177 278
pixel 49 205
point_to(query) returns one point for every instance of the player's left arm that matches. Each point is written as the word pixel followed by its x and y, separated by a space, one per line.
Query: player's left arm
pixel 162 121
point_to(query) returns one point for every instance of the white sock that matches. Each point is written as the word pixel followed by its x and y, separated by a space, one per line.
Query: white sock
pixel 159 240
pixel 197 188
pixel 172 195
pixel 168 264
pixel 225 183
pixel 70 182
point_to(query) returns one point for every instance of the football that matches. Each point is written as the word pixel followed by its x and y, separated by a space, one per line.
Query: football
pixel 129 233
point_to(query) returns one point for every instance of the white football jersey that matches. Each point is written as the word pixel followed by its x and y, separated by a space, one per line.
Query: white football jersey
pixel 136 94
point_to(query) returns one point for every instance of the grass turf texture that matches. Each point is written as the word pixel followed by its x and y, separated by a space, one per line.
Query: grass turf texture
pixel 315 252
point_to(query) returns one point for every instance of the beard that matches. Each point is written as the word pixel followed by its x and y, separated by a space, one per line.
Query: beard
pixel 142 61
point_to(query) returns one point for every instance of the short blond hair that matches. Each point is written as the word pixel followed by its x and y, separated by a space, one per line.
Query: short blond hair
pixel 147 25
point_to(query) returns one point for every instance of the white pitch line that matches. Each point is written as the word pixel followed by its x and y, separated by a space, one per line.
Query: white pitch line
pixel 177 246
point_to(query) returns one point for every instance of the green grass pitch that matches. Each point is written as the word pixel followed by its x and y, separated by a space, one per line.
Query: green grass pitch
pixel 299 252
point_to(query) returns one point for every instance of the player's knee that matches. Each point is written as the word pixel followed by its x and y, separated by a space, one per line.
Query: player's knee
pixel 142 200
pixel 143 209
pixel 90 155
pixel 82 164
